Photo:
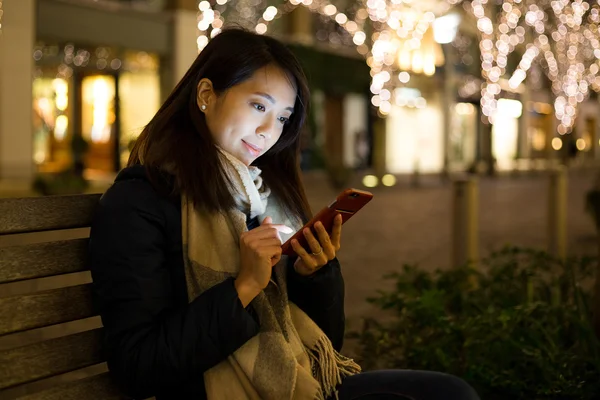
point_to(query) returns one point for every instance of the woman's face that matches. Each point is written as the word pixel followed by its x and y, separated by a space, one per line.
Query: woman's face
pixel 248 119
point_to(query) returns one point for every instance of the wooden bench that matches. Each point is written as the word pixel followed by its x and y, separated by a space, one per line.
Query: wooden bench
pixel 50 337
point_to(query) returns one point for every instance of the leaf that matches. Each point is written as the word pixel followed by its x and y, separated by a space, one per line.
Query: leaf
pixel 506 342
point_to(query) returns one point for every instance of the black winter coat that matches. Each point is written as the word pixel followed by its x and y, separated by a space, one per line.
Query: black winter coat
pixel 158 343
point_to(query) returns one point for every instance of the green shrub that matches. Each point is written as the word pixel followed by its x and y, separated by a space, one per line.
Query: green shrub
pixel 519 329
pixel 63 183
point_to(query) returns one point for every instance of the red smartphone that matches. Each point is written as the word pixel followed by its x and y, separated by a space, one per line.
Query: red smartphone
pixel 348 203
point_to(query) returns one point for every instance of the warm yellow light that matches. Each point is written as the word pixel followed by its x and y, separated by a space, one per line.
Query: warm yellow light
pixel 203 5
pixel 60 127
pixel 98 113
pixel 201 42
pixel 542 108
pixel 557 143
pixel 388 180
pixel 370 181
pixel 261 29
pixel 61 88
pixel 580 144
pixel 429 64
pixel 341 18
pixel 417 62
pixel 330 9
pixel 510 108
pixel 464 108
pixel 538 138
pixel 404 59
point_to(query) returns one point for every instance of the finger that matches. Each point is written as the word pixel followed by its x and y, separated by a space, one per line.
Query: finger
pixel 255 235
pixel 325 241
pixel 312 241
pixel 318 253
pixel 275 259
pixel 273 253
pixel 262 232
pixel 268 223
pixel 308 259
pixel 336 232
pixel 269 243
pixel 270 251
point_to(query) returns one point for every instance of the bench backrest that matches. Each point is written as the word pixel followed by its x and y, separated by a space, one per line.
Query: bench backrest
pixel 50 346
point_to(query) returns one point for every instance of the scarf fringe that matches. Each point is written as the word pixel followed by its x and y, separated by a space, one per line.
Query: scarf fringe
pixel 330 367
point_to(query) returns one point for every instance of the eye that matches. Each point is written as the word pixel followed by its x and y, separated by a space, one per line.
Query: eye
pixel 284 120
pixel 259 107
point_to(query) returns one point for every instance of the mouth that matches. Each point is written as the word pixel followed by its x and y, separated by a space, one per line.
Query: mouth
pixel 253 149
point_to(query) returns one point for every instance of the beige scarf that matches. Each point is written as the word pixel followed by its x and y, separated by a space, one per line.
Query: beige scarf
pixel 290 358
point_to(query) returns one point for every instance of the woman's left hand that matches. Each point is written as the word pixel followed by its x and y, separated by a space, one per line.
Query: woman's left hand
pixel 321 251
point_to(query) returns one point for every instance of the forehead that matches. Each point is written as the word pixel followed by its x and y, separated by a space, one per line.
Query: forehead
pixel 273 81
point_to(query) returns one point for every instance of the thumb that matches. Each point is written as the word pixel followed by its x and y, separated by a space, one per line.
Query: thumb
pixel 267 220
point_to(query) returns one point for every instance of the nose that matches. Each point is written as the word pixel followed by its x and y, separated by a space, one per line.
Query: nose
pixel 264 130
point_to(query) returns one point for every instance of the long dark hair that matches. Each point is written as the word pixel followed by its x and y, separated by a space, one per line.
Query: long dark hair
pixel 178 136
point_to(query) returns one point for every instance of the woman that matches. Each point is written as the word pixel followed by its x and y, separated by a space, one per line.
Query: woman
pixel 195 296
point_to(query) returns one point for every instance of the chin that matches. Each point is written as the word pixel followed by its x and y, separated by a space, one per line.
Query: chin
pixel 246 160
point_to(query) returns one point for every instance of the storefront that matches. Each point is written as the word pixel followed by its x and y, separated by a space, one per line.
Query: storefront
pixel 540 131
pixel 505 133
pixel 414 133
pixel 93 101
pixel 586 140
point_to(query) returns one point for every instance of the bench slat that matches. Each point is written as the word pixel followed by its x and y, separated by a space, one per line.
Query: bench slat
pixel 49 358
pixel 34 214
pixel 98 387
pixel 19 313
pixel 42 259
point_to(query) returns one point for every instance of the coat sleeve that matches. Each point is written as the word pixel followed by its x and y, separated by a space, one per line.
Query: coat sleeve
pixel 321 297
pixel 152 342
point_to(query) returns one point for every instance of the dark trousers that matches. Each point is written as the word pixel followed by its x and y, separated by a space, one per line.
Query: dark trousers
pixel 405 385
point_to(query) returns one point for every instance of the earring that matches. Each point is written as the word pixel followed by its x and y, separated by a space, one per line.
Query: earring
pixel 203 107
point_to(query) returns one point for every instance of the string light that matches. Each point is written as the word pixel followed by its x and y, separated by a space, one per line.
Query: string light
pixel 394 49
pixel 498 41
pixel 400 44
pixel 571 57
pixel 565 41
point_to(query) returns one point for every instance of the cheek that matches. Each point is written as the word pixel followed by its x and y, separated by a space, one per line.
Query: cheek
pixel 220 124
pixel 214 128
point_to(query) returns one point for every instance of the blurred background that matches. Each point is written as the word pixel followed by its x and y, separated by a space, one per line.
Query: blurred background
pixel 411 99
pixel 399 87
pixel 408 97
pixel 475 123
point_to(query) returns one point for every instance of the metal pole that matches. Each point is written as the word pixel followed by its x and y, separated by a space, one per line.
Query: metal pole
pixel 465 223
pixel 557 212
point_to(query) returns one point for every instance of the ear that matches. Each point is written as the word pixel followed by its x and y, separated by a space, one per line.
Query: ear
pixel 206 94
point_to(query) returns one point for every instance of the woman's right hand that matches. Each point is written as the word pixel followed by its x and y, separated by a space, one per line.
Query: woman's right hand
pixel 260 251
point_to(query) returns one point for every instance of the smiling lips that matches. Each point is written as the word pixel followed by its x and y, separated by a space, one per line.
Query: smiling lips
pixel 253 149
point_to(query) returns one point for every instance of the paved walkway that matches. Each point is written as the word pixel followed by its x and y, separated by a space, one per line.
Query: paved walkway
pixel 413 225
pixel 406 225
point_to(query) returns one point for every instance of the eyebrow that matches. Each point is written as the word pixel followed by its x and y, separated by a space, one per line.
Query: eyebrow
pixel 272 100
